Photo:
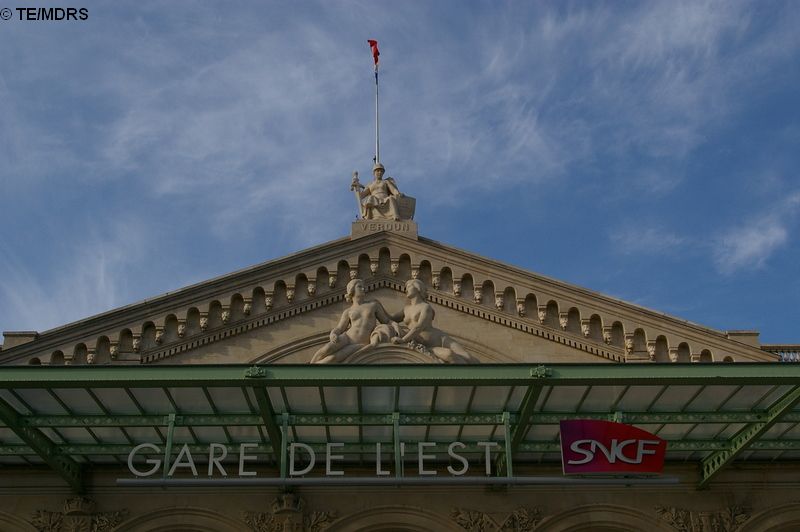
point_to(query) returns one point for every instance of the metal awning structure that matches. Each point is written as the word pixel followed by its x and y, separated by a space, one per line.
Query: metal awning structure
pixel 76 418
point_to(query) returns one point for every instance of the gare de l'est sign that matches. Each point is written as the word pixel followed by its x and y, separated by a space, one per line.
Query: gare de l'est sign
pixel 588 447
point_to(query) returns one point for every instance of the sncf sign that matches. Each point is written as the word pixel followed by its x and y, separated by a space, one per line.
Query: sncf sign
pixel 590 446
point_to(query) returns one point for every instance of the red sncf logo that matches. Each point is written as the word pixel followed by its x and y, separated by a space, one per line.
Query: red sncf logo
pixel 591 446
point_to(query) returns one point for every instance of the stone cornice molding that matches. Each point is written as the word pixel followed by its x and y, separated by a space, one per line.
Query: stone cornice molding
pixel 287 270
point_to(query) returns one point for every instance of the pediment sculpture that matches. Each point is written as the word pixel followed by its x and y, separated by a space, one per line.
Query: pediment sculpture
pixel 381 199
pixel 366 326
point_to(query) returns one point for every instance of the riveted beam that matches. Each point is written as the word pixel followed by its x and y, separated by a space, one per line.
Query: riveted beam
pixel 713 464
pixel 410 375
pixel 296 419
pixel 267 413
pixel 48 451
pixel 525 416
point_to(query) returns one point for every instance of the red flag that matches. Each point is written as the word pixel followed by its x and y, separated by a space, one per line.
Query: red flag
pixel 375 53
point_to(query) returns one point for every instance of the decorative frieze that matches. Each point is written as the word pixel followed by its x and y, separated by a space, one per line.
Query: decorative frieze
pixel 727 519
pixel 289 514
pixel 78 515
pixel 520 520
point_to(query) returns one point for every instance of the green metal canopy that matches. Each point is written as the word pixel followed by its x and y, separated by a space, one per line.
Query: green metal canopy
pixel 75 418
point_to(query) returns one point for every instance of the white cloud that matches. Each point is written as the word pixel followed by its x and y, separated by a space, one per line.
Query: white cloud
pixel 91 277
pixel 641 240
pixel 749 246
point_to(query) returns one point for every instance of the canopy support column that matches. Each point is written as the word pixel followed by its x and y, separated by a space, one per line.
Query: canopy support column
pixel 268 417
pixel 48 451
pixel 524 420
pixel 715 462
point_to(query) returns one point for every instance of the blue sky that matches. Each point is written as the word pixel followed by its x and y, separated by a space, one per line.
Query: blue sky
pixel 647 150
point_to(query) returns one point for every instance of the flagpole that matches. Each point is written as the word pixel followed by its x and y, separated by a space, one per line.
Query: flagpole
pixel 377 121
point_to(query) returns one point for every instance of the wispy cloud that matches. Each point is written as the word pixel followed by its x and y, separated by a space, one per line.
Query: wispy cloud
pixel 749 246
pixel 641 240
pixel 93 276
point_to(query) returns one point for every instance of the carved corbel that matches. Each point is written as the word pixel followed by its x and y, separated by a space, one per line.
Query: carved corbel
pixel 91 355
pixel 456 287
pixel 628 344
pixel 311 288
pixel 542 313
pixel 477 294
pixel 289 293
pixel 694 357
pixel 435 281
pixel 332 280
pixel 136 342
pixel 673 354
pixel 586 328
pixel 181 328
pixel 415 271
pixel 521 308
pixel 608 336
pixel 499 300
pixel 113 350
pixel 226 314
pixel 159 334
pixel 353 272
pixel 373 266
pixel 651 350
pixel 268 298
pixel 247 307
pixel 203 321
pixel 563 319
pixel 394 265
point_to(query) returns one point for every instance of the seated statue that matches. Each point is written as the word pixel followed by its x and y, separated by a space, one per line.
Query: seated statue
pixel 354 330
pixel 417 327
pixel 379 199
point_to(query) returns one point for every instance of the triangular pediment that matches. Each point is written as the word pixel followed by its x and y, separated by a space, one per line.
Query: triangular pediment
pixel 283 311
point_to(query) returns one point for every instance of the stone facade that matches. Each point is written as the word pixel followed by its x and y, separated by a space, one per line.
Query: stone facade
pixel 285 311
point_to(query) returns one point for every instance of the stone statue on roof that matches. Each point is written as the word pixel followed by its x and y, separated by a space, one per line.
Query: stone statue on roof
pixel 381 199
